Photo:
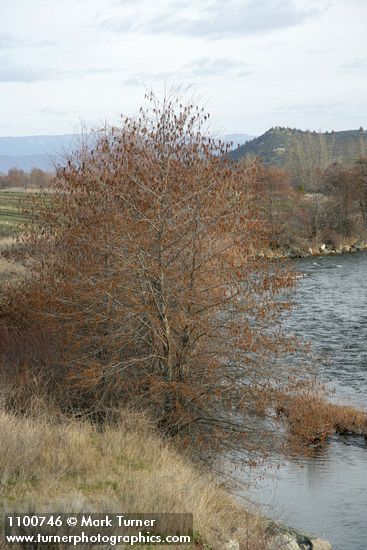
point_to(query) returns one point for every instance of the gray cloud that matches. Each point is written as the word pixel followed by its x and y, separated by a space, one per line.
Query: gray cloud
pixel 125 2
pixel 215 18
pixel 119 24
pixel 138 79
pixel 22 74
pixel 57 112
pixel 358 63
pixel 94 70
pixel 6 40
pixel 311 109
pixel 11 72
pixel 46 43
pixel 207 66
pixel 201 67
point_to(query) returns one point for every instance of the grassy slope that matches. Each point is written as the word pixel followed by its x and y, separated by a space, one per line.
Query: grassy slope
pixel 10 217
pixel 11 222
pixel 49 463
pixel 69 466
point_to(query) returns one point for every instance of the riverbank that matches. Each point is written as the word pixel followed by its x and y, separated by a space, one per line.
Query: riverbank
pixel 287 538
pixel 48 462
pixel 51 463
pixel 321 249
pixel 54 463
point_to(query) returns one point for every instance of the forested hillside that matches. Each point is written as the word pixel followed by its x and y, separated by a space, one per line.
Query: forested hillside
pixel 283 146
pixel 315 185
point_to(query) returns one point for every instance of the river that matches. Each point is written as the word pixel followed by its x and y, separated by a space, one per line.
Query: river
pixel 326 494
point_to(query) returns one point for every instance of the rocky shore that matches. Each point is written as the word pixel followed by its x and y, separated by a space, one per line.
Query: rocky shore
pixel 322 249
pixel 286 538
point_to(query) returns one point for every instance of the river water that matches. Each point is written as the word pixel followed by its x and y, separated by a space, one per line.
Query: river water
pixel 326 494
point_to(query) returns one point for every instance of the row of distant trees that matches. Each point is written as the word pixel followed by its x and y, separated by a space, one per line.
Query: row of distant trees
pixel 310 154
pixel 328 206
pixel 20 179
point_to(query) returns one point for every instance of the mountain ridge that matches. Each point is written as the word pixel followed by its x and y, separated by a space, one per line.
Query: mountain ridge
pixel 27 152
pixel 44 151
pixel 274 147
pixel 276 144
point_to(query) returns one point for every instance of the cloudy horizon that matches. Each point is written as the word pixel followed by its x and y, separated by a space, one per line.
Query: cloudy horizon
pixel 253 63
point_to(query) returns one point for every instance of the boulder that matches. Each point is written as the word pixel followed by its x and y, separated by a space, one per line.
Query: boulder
pixel 288 541
pixel 284 542
pixel 287 538
pixel 360 245
pixel 296 252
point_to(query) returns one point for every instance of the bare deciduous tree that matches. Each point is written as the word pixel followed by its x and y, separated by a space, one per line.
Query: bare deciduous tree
pixel 148 272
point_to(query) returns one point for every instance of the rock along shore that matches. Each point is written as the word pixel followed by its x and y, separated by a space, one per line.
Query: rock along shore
pixel 287 538
pixel 280 537
pixel 320 250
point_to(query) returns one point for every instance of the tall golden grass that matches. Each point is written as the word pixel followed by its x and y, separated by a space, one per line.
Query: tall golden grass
pixel 50 463
pixel 312 419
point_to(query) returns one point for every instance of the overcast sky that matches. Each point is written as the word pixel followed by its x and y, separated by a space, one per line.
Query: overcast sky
pixel 254 63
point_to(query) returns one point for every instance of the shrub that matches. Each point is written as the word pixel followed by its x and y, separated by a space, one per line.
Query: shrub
pixel 144 269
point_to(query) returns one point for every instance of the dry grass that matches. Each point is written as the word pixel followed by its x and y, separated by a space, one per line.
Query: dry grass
pixel 311 420
pixel 9 270
pixel 6 241
pixel 70 466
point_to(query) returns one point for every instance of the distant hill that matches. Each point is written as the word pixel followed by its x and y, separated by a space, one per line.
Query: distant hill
pixel 27 152
pixel 26 163
pixel 278 144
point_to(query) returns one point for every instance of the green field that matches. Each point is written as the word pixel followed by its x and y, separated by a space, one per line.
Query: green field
pixel 11 219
